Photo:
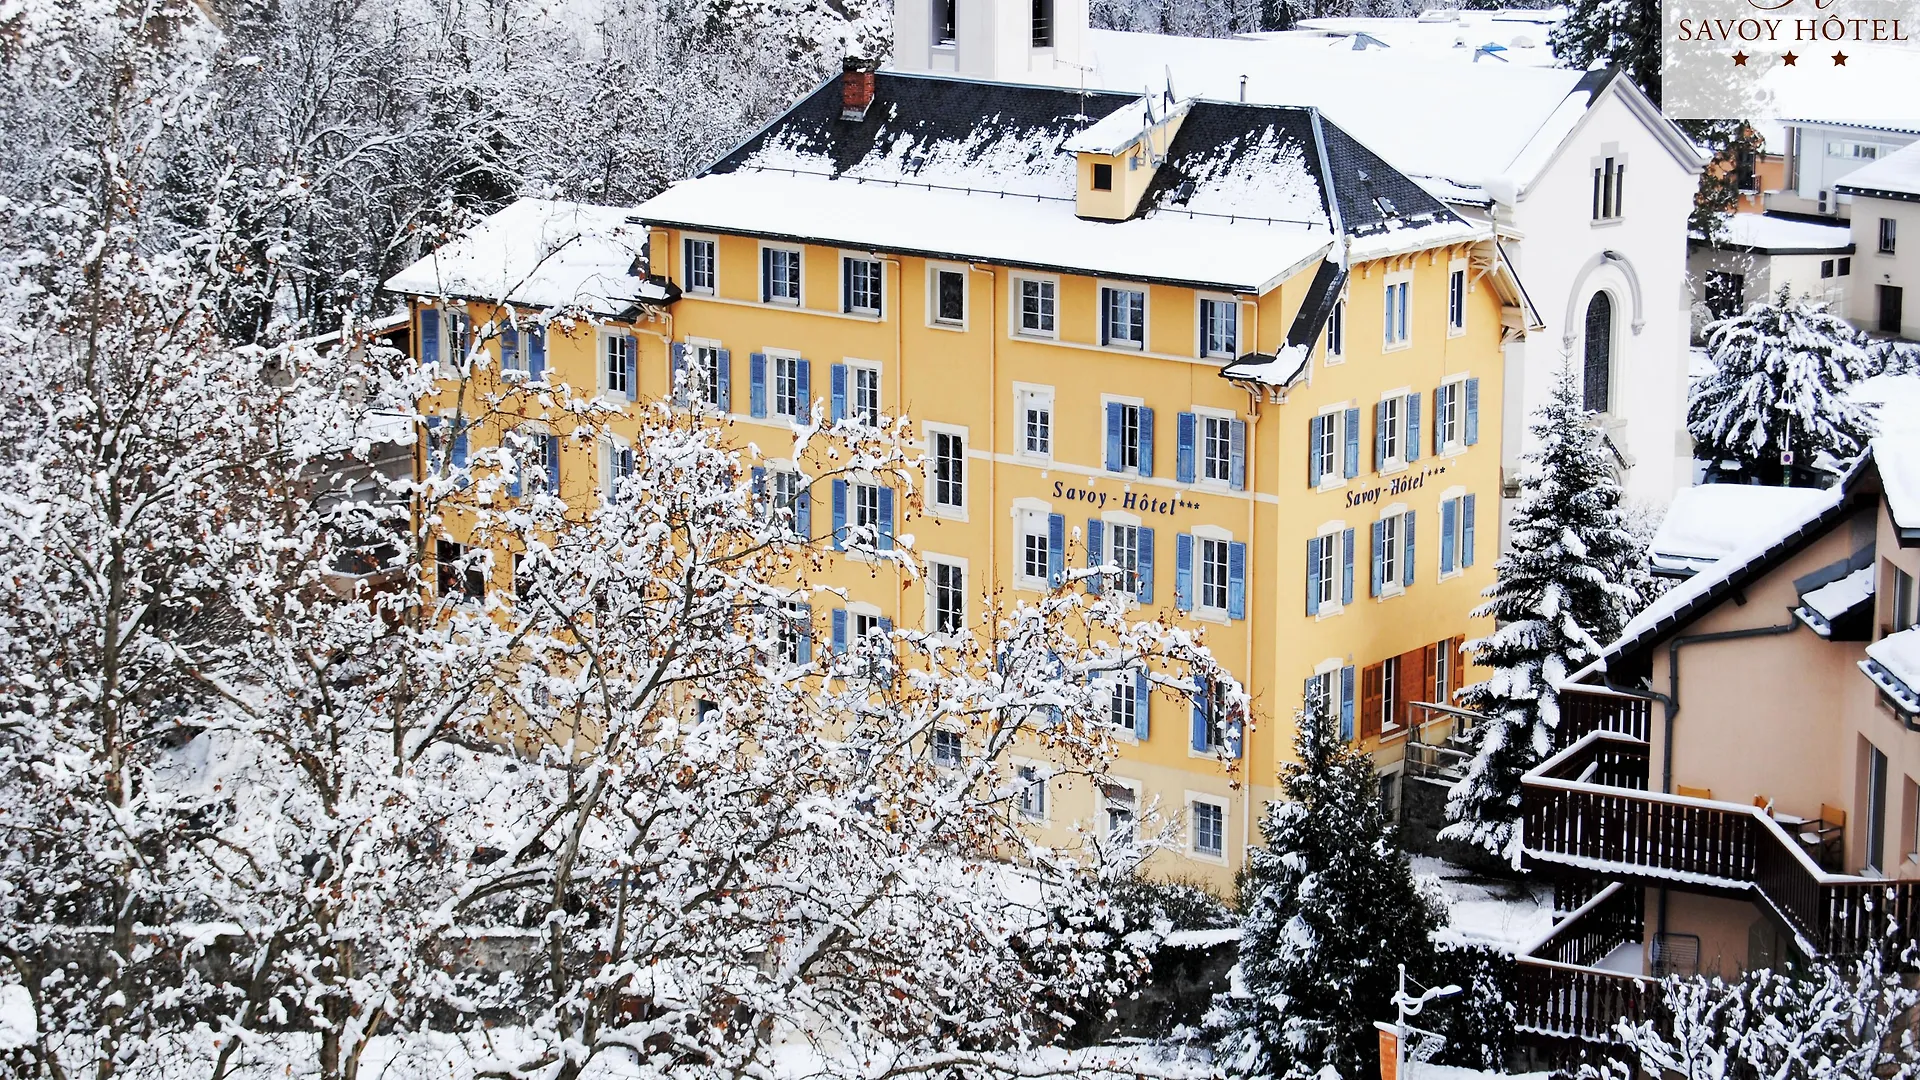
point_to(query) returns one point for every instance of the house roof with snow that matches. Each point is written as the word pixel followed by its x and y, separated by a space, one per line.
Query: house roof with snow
pixel 539 253
pixel 1896 176
pixel 1708 523
pixel 1770 234
pixel 1403 102
pixel 946 167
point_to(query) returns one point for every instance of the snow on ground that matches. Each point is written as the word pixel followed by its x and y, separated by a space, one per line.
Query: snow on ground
pixel 1488 911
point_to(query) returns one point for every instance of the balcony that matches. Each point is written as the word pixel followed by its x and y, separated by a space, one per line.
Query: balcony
pixel 1587 807
pixel 1558 990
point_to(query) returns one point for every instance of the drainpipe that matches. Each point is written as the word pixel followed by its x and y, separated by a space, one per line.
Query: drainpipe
pixel 993 426
pixel 1670 705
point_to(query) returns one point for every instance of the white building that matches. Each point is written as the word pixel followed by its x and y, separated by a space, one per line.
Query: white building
pixel 1762 253
pixel 1588 187
pixel 1885 197
pixel 1820 154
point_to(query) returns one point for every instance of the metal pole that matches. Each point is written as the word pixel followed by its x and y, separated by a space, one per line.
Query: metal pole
pixel 1400 1026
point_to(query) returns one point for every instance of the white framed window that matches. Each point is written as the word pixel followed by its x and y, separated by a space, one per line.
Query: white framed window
pixel 1211 574
pixel 616 460
pixel 1033 557
pixel 1219 326
pixel 1390 536
pixel 703 363
pixel 1392 690
pixel 786 384
pixel 1033 411
pixel 699 265
pixel 1128 433
pixel 1456 531
pixel 1123 700
pixel 948 753
pixel 780 275
pixel 1328 555
pixel 947 449
pixel 1392 439
pixel 1609 187
pixel 943 17
pixel 1033 791
pixel 1120 811
pixel 784 493
pixel 863 393
pixel 1443 672
pixel 1216 448
pixel 1207 828
pixel 1329 446
pixel 1123 317
pixel 536 451
pixel 946 595
pixel 1337 332
pixel 617 374
pixel 864 504
pixel 1123 551
pixel 1321 691
pixel 793 630
pixel 1397 318
pixel 1393 552
pixel 947 295
pixel 1457 298
pixel 860 285
pixel 1036 302
pixel 872 642
pixel 1449 415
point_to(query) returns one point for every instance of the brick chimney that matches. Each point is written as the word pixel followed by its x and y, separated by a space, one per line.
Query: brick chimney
pixel 856 88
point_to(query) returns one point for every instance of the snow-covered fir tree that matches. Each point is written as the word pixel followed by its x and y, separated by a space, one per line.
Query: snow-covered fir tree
pixel 1558 595
pixel 1780 380
pixel 1624 34
pixel 1332 907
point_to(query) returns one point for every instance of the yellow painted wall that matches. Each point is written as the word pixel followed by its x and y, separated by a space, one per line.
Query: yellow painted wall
pixel 966 377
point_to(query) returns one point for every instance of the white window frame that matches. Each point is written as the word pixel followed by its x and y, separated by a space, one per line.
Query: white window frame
pixel 955 511
pixel 1454 411
pixel 1119 686
pixel 1456 495
pixel 1100 315
pixel 1609 169
pixel 1203 537
pixel 775 358
pixel 951 563
pixel 604 342
pixel 778 474
pixel 1016 306
pixel 934 270
pixel 1113 519
pixel 686 265
pixel 709 391
pixel 1132 787
pixel 1403 309
pixel 1200 302
pixel 1392 698
pixel 450 336
pixel 1392 577
pixel 1029 518
pixel 1458 270
pixel 610 445
pixel 800 276
pixel 1333 340
pixel 1331 535
pixel 1198 798
pixel 1100 426
pixel 1026 396
pixel 846 302
pixel 1337 475
pixel 855 369
pixel 1201 415
pixel 941 735
pixel 1031 776
pixel 1397 429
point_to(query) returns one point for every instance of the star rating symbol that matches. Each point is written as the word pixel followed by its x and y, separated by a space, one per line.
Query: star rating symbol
pixel 1839 59
pixel 1789 59
pixel 1739 59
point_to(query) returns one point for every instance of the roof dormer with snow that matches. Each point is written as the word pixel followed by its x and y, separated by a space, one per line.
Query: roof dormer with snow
pixel 1117 157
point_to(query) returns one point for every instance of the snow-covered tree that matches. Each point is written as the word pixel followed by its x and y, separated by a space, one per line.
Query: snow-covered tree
pixel 1828 1020
pixel 1623 34
pixel 1331 908
pixel 1558 595
pixel 1780 380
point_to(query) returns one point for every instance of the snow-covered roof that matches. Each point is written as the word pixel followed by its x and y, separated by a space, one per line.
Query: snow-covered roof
pixel 1785 236
pixel 960 168
pixel 1512 36
pixel 1895 176
pixel 1114 132
pixel 1893 663
pixel 1898 458
pixel 1821 607
pixel 1708 523
pixel 540 253
pixel 1386 97
pixel 1894 399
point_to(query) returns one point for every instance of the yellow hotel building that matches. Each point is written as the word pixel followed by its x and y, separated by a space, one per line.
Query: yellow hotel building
pixel 1222 346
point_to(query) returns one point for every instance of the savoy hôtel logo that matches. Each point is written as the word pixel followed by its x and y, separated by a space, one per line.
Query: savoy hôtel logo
pixel 1842 60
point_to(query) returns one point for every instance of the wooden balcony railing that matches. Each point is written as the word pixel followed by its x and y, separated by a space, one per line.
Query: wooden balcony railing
pixel 1572 1001
pixel 1584 710
pixel 1584 807
pixel 1612 917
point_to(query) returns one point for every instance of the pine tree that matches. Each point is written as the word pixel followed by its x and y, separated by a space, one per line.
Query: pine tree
pixel 1558 594
pixel 1780 381
pixel 1332 907
pixel 1624 34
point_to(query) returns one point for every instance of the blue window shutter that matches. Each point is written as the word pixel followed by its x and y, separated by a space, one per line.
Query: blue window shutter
pixel 1441 395
pixel 1146 441
pixel 1466 531
pixel 840 631
pixel 1185 426
pixel 509 349
pixel 1183 572
pixel 1144 537
pixel 1237 461
pixel 805 630
pixel 1379 556
pixel 757 384
pixel 803 390
pixel 803 514
pixel 677 371
pixel 1313 576
pixel 553 465
pixel 886 519
pixel 1406 550
pixel 1096 530
pixel 429 336
pixel 757 483
pixel 1379 435
pixel 1056 549
pixel 515 486
pixel 1353 443
pixel 1449 508
pixel 1473 412
pixel 1113 436
pixel 537 354
pixel 1142 704
pixel 1346 703
pixel 1413 426
pixel 1313 449
pixel 1198 734
pixel 724 362
pixel 839 513
pixel 1236 580
pixel 837 382
pixel 1346 567
pixel 460 447
pixel 886 627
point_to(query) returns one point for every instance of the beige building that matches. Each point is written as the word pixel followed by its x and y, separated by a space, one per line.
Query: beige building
pixel 1737 783
pixel 1886 235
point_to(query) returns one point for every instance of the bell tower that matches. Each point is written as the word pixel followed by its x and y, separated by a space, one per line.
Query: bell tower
pixel 1023 41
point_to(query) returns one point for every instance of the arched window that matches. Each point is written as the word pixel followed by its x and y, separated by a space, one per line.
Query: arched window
pixel 1597 371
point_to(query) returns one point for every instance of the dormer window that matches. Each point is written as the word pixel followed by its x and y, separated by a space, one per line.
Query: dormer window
pixel 944 22
pixel 1103 178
